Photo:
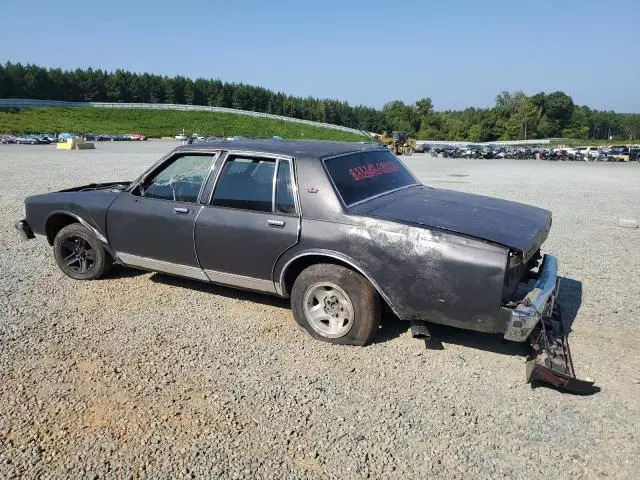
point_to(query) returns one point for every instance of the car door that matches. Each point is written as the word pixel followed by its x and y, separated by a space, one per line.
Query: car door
pixel 152 226
pixel 252 218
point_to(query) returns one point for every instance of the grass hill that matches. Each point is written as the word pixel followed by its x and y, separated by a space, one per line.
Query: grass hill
pixel 157 123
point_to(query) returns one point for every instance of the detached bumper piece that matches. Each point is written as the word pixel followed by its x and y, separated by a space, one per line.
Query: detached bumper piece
pixel 538 319
pixel 551 361
pixel 24 229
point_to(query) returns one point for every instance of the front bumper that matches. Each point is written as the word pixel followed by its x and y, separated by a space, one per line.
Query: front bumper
pixel 539 302
pixel 24 229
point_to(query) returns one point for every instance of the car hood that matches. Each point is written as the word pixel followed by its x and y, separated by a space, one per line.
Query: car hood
pixel 107 187
pixel 515 225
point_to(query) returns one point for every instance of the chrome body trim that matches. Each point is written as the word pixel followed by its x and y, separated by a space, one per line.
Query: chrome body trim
pixel 257 153
pixel 193 234
pixel 24 229
pixel 241 281
pixel 536 304
pixel 294 186
pixel 204 182
pixel 274 181
pixel 196 273
pixel 161 266
pixel 101 237
pixel 83 222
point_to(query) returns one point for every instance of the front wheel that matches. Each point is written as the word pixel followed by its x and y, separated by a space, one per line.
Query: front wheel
pixel 79 253
pixel 335 304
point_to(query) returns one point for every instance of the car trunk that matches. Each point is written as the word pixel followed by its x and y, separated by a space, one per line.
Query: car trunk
pixel 520 227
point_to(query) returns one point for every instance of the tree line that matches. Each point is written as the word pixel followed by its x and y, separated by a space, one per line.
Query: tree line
pixel 514 115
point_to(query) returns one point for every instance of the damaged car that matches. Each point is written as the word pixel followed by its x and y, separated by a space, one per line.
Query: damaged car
pixel 339 228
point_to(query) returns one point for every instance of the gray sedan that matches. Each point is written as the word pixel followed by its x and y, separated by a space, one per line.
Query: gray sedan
pixel 340 228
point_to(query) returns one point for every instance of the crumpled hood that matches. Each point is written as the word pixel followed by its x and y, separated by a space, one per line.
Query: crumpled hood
pixel 109 186
pixel 515 225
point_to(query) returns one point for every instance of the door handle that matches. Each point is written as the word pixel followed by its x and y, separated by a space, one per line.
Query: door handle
pixel 275 223
pixel 181 210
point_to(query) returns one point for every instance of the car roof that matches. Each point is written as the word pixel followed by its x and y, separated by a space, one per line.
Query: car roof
pixel 294 148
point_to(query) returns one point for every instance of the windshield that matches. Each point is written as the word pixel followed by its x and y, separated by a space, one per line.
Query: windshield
pixel 363 175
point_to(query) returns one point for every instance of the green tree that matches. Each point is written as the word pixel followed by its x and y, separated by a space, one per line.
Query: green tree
pixel 424 107
pixel 558 106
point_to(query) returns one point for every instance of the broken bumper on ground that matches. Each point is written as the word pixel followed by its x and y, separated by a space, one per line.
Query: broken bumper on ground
pixel 24 229
pixel 538 319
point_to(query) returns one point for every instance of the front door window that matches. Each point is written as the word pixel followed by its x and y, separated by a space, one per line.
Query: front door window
pixel 180 181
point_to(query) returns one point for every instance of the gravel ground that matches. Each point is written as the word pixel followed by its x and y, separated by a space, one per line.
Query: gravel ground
pixel 143 375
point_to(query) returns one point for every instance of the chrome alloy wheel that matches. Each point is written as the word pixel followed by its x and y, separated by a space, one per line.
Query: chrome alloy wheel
pixel 328 309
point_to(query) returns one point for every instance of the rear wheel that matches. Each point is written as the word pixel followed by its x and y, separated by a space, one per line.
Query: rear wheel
pixel 79 254
pixel 335 304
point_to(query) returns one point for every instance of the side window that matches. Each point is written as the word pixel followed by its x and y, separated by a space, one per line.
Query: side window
pixel 284 189
pixel 180 181
pixel 245 183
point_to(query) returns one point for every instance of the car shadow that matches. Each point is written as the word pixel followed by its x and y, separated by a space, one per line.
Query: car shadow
pixel 229 292
pixel 120 271
pixel 569 300
pixel 391 327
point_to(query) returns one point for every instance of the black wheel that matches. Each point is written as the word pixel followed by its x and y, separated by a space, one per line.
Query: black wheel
pixel 335 304
pixel 79 253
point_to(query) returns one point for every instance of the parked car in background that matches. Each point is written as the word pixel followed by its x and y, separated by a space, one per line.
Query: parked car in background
pixel 420 148
pixel 138 136
pixel 340 228
pixel 619 153
pixel 591 152
pixel 26 140
pixel 7 139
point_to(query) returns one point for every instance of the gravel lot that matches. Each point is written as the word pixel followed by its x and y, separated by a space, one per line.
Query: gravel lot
pixel 143 375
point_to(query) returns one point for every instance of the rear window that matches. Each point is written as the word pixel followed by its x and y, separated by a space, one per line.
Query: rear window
pixel 363 175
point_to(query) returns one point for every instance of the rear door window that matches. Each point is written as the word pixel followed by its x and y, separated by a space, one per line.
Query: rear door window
pixel 246 183
pixel 363 175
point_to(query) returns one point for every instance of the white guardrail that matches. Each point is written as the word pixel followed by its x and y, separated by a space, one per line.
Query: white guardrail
pixel 540 141
pixel 28 103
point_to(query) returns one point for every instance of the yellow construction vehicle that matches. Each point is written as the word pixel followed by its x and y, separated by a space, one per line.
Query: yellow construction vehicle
pixel 398 142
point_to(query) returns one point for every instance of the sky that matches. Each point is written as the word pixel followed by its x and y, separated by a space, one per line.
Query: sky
pixel 460 53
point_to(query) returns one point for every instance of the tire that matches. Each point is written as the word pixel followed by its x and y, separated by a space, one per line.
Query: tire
pixel 348 296
pixel 79 254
